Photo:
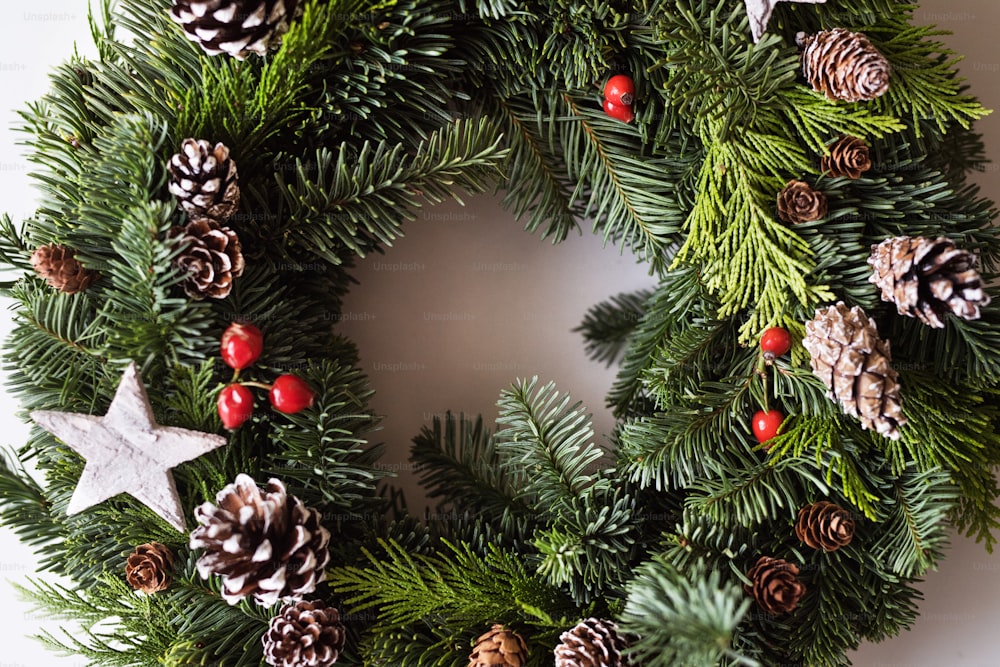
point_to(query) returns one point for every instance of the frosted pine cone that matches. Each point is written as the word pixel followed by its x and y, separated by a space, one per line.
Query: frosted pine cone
pixel 212 257
pixel 236 27
pixel 844 65
pixel 824 525
pixel 499 647
pixel 855 364
pixel 204 180
pixel 307 633
pixel 592 643
pixel 928 279
pixel 268 545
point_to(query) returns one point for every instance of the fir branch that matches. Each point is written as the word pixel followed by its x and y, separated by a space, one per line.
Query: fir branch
pixel 544 442
pixel 817 121
pixel 762 491
pixel 535 180
pixel 913 535
pixel 676 299
pixel 460 465
pixel 626 195
pixel 322 452
pixel 355 203
pixel 590 546
pixel 683 618
pixel 955 427
pixel 608 326
pixel 26 510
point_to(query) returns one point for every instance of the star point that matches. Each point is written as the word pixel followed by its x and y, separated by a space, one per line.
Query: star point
pixel 126 451
pixel 760 12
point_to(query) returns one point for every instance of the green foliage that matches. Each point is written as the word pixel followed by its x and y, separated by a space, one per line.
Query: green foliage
pixel 535 181
pixel 117 627
pixel 591 539
pixel 461 466
pixel 367 111
pixel 683 618
pixel 354 202
pixel 427 607
pixel 544 441
pixel 322 452
pixel 608 326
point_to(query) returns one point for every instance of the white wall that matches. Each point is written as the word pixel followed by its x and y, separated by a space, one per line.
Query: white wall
pixel 467 301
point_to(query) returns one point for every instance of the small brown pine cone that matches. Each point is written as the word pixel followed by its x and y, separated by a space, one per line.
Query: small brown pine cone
pixel 499 647
pixel 212 257
pixel 236 27
pixel 61 270
pixel 307 633
pixel 776 586
pixel 824 525
pixel 592 643
pixel 203 178
pixel 148 568
pixel 848 157
pixel 847 354
pixel 928 279
pixel 844 65
pixel 268 545
pixel 798 202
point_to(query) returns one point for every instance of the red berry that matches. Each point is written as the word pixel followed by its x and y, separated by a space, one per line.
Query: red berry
pixel 619 111
pixel 765 424
pixel 620 89
pixel 290 394
pixel 775 342
pixel 235 405
pixel 241 345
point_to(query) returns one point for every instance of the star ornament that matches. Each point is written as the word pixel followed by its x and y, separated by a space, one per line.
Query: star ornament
pixel 760 12
pixel 128 452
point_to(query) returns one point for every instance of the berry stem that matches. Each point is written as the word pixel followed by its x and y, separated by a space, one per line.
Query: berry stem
pixel 258 385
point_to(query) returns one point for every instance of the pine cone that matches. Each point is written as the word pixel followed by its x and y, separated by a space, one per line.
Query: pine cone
pixel 854 363
pixel 798 202
pixel 843 65
pixel 776 586
pixel 499 648
pixel 928 278
pixel 147 569
pixel 236 27
pixel 212 258
pixel 304 633
pixel 848 157
pixel 61 270
pixel 825 526
pixel 204 180
pixel 267 545
pixel 592 643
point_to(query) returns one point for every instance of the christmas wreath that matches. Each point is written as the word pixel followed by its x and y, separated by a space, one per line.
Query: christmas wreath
pixel 807 401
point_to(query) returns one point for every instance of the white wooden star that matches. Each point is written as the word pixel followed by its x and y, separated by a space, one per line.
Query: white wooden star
pixel 127 451
pixel 760 12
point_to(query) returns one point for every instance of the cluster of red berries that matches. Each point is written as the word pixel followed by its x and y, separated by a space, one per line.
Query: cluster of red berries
pixel 774 342
pixel 242 344
pixel 619 94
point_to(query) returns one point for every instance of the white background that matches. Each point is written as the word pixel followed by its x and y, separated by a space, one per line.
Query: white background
pixel 467 302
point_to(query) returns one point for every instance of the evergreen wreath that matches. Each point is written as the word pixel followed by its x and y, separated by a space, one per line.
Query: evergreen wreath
pixel 182 188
